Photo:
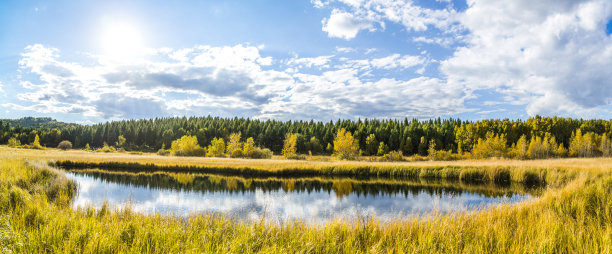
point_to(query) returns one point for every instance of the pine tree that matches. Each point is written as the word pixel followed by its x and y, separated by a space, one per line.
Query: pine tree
pixel 371 145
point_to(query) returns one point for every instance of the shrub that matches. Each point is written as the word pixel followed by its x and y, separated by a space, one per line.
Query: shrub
pixel 393 156
pixel 65 145
pixel 36 143
pixel 445 156
pixel 236 153
pixel 187 146
pixel 106 149
pixel 163 152
pixel 260 153
pixel 14 142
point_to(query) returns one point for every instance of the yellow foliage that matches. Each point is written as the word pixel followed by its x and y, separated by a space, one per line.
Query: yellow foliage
pixel 290 146
pixel 234 144
pixel 216 148
pixel 187 146
pixel 345 146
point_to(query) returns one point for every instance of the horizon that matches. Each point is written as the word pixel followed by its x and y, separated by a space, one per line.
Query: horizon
pixel 311 120
pixel 89 63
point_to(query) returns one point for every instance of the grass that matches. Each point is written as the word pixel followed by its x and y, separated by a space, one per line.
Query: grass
pixel 530 172
pixel 574 214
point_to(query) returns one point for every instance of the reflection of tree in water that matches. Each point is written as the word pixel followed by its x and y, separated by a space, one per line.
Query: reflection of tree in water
pixel 288 186
pixel 341 187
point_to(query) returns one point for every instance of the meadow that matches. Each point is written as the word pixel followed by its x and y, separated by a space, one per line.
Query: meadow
pixel 573 213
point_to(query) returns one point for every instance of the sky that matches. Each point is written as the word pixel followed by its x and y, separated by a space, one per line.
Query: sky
pixel 97 61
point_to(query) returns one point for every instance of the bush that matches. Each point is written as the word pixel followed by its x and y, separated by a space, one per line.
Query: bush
pixel 163 152
pixel 65 145
pixel 36 143
pixel 445 156
pixel 14 142
pixel 237 153
pixel 106 149
pixel 393 156
pixel 260 153
pixel 187 146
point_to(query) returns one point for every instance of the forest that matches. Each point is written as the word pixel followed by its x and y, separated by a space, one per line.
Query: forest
pixel 536 137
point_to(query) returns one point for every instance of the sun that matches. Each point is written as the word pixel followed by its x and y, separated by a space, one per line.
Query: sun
pixel 121 40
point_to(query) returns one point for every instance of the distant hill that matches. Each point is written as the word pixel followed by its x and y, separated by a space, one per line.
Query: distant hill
pixel 37 122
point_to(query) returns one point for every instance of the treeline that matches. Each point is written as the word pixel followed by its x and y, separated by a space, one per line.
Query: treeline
pixel 373 136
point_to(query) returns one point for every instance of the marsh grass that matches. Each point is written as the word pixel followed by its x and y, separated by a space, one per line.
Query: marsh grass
pixel 573 215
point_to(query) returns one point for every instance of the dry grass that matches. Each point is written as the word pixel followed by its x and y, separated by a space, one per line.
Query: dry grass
pixel 590 164
pixel 575 217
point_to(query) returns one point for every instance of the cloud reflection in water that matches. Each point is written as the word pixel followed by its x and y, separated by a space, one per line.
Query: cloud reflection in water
pixel 316 206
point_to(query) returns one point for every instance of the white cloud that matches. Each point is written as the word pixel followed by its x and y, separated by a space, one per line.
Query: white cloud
pixel 397 60
pixel 1 87
pixel 364 14
pixel 553 55
pixel 230 81
pixel 344 49
pixel 442 41
pixel 345 25
pixel 309 62
pixel 319 3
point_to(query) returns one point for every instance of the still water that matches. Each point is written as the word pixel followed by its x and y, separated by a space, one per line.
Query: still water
pixel 314 200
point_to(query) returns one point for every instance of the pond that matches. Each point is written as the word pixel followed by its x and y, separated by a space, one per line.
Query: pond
pixel 313 200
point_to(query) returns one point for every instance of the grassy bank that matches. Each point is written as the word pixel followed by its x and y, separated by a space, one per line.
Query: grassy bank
pixel 574 214
pixel 465 174
pixel 574 218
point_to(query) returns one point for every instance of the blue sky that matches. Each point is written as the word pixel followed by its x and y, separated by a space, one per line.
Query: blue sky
pixel 93 61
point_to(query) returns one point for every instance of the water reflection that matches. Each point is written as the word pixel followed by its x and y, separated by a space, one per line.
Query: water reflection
pixel 312 200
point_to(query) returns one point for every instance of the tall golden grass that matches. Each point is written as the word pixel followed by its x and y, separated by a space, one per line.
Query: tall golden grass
pixel 573 215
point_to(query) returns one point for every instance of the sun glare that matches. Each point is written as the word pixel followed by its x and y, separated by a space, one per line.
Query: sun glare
pixel 121 40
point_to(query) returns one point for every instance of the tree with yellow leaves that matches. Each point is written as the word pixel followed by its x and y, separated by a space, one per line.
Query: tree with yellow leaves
pixel 187 146
pixel 234 145
pixel 345 146
pixel 290 146
pixel 249 147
